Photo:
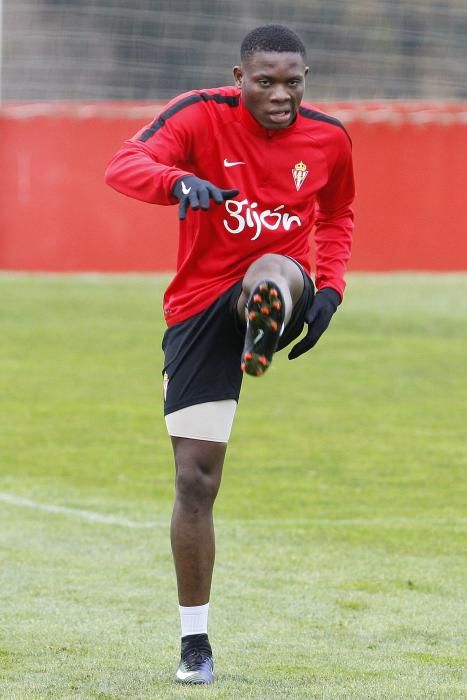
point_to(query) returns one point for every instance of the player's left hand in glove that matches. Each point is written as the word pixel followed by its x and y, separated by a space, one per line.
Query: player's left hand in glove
pixel 193 192
pixel 318 318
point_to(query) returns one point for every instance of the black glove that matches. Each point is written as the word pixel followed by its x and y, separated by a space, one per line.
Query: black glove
pixel 318 317
pixel 191 191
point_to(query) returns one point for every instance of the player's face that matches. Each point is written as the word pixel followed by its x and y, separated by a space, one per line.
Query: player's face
pixel 272 86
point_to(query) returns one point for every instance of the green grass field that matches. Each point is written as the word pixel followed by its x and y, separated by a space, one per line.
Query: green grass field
pixel 341 564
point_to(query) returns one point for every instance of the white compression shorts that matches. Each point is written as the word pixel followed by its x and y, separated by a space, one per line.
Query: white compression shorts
pixel 211 421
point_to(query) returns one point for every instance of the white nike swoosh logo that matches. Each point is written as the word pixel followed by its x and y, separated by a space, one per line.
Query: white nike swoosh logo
pixel 185 189
pixel 259 336
pixel 228 164
pixel 182 675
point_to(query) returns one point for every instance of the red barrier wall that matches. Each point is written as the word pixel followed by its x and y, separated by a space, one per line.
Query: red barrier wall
pixel 56 214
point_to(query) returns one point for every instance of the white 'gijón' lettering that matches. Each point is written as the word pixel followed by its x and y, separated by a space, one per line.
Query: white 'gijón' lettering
pixel 243 214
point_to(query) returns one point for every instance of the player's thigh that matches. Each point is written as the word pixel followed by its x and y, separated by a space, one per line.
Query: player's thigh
pixel 209 421
pixel 202 374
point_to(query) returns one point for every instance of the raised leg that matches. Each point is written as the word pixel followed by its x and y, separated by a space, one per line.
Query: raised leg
pixel 271 287
pixel 283 271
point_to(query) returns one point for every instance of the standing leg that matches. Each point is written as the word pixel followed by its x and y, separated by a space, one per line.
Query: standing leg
pixel 199 438
pixel 198 466
pixel 198 475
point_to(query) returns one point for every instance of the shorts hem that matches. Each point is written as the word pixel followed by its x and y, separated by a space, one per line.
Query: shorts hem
pixel 204 399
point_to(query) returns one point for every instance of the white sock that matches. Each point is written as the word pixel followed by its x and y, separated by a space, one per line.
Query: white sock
pixel 194 620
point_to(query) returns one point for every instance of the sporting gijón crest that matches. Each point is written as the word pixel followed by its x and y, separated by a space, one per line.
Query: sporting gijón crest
pixel 299 173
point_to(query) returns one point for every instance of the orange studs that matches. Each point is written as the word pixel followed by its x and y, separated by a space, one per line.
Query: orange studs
pixel 265 310
pixel 263 360
pixel 263 287
pixel 248 356
pixel 276 305
pixel 274 325
pixel 257 297
pixel 273 292
pixel 243 366
pixel 252 315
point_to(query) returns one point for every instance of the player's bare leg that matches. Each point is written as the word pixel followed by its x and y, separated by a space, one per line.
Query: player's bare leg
pixel 271 287
pixel 198 475
pixel 198 466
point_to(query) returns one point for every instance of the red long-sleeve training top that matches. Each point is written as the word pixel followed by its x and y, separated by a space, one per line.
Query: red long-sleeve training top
pixel 289 180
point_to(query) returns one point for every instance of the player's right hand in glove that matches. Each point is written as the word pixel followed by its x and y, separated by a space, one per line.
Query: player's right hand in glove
pixel 193 192
pixel 318 317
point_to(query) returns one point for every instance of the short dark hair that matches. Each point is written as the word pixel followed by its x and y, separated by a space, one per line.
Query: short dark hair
pixel 271 37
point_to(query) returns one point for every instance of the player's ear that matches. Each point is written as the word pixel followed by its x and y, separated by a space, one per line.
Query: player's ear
pixel 306 70
pixel 238 75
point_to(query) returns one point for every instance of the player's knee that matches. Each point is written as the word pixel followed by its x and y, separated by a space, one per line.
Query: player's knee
pixel 271 262
pixel 196 488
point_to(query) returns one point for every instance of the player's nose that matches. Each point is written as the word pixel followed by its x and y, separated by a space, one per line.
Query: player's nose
pixel 280 94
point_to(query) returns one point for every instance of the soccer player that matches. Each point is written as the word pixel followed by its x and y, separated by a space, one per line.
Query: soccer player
pixel 253 170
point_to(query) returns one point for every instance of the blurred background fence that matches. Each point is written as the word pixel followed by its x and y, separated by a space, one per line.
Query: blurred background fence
pixel 80 76
pixel 153 49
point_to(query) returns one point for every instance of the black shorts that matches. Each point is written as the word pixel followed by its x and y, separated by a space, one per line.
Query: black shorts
pixel 203 353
